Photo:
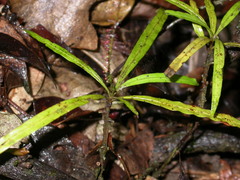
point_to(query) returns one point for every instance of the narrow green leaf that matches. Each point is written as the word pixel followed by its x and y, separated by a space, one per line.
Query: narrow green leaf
pixel 186 8
pixel 211 15
pixel 217 79
pixel 229 16
pixel 158 78
pixel 42 119
pixel 182 5
pixel 68 56
pixel 191 10
pixel 143 44
pixel 129 105
pixel 188 17
pixel 232 44
pixel 186 109
pixel 185 55
pixel 197 28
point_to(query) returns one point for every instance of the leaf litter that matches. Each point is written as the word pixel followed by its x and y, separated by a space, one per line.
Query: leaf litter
pixel 74 153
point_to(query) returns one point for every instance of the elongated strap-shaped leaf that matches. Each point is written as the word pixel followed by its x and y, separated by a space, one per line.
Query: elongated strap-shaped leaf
pixel 159 78
pixel 186 8
pixel 217 79
pixel 68 56
pixel 188 17
pixel 197 28
pixel 229 16
pixel 129 105
pixel 42 119
pixel 185 55
pixel 232 44
pixel 186 109
pixel 143 44
pixel 211 15
pixel 182 5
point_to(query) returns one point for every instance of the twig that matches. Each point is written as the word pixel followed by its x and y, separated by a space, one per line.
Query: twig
pixel 182 143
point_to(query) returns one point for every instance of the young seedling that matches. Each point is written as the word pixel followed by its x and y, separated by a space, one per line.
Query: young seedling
pixel 140 49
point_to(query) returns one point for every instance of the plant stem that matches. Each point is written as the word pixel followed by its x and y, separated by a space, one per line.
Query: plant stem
pixel 105 116
pixel 203 92
pixel 108 46
pixel 106 130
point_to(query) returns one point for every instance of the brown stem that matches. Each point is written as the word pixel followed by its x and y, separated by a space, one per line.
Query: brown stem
pixel 106 130
pixel 203 92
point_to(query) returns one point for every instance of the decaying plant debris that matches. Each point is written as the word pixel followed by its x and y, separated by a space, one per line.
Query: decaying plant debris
pixel 139 147
pixel 60 18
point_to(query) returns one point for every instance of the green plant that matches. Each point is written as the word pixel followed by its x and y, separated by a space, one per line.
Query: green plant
pixel 113 91
pixel 215 45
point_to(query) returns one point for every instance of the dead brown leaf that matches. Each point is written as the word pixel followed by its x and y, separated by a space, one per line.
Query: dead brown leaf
pixel 70 84
pixel 98 57
pixel 8 122
pixel 136 154
pixel 81 141
pixel 111 12
pixel 17 51
pixel 19 95
pixel 64 18
pixel 143 10
pixel 225 171
pixel 25 48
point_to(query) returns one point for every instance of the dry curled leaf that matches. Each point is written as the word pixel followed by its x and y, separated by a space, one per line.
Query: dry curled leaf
pixel 25 51
pixel 111 12
pixel 17 51
pixel 19 95
pixel 25 48
pixel 64 18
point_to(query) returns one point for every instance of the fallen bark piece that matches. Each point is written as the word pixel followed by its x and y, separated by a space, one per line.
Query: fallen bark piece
pixel 206 142
pixel 17 168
